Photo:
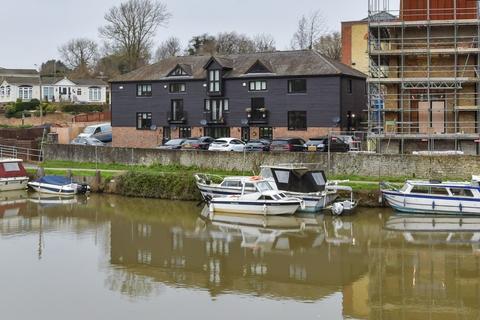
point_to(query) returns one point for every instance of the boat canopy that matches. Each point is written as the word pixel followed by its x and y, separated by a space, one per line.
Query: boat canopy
pixel 55 180
pixel 12 168
pixel 296 179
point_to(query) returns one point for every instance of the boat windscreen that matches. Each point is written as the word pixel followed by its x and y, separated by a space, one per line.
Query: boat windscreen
pixel 299 181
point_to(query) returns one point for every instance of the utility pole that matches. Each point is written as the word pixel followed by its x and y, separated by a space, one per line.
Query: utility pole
pixel 41 93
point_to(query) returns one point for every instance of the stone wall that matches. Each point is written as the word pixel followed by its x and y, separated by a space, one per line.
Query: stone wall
pixel 438 167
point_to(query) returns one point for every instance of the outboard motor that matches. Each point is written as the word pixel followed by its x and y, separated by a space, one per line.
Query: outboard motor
pixel 83 188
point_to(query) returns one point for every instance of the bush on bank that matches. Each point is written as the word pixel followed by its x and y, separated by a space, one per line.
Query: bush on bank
pixel 158 186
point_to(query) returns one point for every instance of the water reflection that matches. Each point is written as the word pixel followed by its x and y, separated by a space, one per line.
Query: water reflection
pixel 382 266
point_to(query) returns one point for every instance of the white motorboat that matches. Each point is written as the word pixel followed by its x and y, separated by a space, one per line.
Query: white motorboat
pixel 435 197
pixel 13 175
pixel 264 201
pixel 226 186
pixel 58 185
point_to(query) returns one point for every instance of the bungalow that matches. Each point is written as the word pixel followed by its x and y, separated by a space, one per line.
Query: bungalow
pixel 249 96
pixel 74 90
pixel 19 84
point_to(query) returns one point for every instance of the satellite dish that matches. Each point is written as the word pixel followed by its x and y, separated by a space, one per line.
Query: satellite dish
pixel 203 122
pixel 244 122
pixel 336 120
pixel 153 127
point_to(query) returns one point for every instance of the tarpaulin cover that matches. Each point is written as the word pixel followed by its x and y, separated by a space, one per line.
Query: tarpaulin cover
pixel 55 180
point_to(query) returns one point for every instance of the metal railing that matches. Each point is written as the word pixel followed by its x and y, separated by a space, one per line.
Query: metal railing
pixel 26 154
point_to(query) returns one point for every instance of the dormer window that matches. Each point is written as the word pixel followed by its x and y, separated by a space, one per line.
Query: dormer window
pixel 214 81
pixel 179 71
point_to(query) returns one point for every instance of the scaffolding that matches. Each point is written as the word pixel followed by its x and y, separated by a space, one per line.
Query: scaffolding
pixel 424 73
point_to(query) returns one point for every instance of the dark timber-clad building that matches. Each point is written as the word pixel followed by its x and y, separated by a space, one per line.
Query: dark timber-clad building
pixel 249 96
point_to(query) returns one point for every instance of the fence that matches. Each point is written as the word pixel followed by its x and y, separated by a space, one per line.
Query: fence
pixel 93 117
pixel 26 154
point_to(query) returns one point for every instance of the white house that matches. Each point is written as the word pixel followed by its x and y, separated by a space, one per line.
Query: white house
pixel 74 90
pixel 19 84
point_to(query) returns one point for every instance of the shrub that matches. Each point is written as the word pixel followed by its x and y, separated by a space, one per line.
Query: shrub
pixel 16 109
pixel 82 108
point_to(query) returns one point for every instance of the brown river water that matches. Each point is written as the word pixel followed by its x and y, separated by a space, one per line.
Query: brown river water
pixel 109 257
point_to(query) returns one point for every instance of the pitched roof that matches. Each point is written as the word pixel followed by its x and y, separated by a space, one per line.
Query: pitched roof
pixel 78 82
pixel 381 16
pixel 18 72
pixel 32 81
pixel 282 63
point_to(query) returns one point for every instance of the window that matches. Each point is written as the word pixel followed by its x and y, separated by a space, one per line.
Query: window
pixel 144 90
pixel 144 120
pixel 185 132
pixel 7 91
pixel 178 72
pixel 297 120
pixel 177 110
pixel 214 81
pixel 177 87
pixel 266 133
pixel 167 134
pixel 2 91
pixel 216 107
pixel 297 86
pixel 350 86
pixel 94 94
pixel 25 92
pixel 462 192
pixel 11 166
pixel 48 93
pixel 257 85
pixel 79 92
pixel 217 132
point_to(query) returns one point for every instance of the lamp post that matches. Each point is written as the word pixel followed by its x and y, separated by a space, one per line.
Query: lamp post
pixel 40 83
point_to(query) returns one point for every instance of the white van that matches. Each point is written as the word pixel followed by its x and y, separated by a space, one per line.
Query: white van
pixel 102 132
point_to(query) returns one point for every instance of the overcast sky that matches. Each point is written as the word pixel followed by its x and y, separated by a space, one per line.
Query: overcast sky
pixel 34 29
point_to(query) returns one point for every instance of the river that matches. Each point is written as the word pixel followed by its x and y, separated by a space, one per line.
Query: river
pixel 108 257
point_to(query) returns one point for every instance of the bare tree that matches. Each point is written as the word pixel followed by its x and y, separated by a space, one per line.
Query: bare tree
pixel 264 43
pixel 309 31
pixel 168 48
pixel 330 45
pixel 234 43
pixel 80 55
pixel 131 26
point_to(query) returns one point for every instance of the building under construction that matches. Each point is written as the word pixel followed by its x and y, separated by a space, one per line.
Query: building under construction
pixel 424 75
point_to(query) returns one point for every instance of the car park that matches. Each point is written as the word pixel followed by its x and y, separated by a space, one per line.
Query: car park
pixel 201 143
pixel 174 144
pixel 288 144
pixel 258 145
pixel 227 144
pixel 322 144
pixel 89 141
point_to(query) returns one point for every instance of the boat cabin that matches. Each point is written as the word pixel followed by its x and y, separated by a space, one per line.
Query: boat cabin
pixel 439 188
pixel 295 179
pixel 12 168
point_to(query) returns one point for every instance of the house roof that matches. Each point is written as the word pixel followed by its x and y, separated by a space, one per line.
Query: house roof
pixel 381 16
pixel 282 63
pixel 33 81
pixel 18 72
pixel 78 82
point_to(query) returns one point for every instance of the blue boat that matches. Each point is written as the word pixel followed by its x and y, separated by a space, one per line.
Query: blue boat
pixel 58 185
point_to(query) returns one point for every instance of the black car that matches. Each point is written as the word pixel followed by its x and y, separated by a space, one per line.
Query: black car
pixel 173 144
pixel 322 144
pixel 288 144
pixel 201 143
pixel 258 145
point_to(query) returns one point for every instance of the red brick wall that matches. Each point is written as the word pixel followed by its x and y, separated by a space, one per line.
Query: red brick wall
pixel 133 138
pixel 346 43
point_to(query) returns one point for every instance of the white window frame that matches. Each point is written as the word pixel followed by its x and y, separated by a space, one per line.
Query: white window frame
pixel 25 93
pixel 94 94
pixel 49 92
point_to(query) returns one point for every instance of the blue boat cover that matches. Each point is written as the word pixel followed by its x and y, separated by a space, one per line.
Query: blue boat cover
pixel 55 180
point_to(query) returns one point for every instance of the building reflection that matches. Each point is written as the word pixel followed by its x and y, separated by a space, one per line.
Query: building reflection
pixel 288 258
pixel 426 268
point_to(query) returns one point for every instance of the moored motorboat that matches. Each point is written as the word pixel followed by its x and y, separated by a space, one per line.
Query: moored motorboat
pixel 13 175
pixel 434 197
pixel 264 201
pixel 58 185
pixel 226 186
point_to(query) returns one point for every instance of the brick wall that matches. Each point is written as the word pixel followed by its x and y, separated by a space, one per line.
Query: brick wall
pixel 133 138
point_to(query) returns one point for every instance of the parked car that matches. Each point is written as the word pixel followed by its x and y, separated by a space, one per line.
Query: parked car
pixel 258 145
pixel 201 143
pixel 102 132
pixel 288 144
pixel 321 144
pixel 227 144
pixel 87 142
pixel 353 142
pixel 173 144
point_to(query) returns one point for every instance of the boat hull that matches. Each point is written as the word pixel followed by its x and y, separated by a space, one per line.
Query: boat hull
pixel 313 203
pixel 67 190
pixel 254 208
pixel 10 184
pixel 431 204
